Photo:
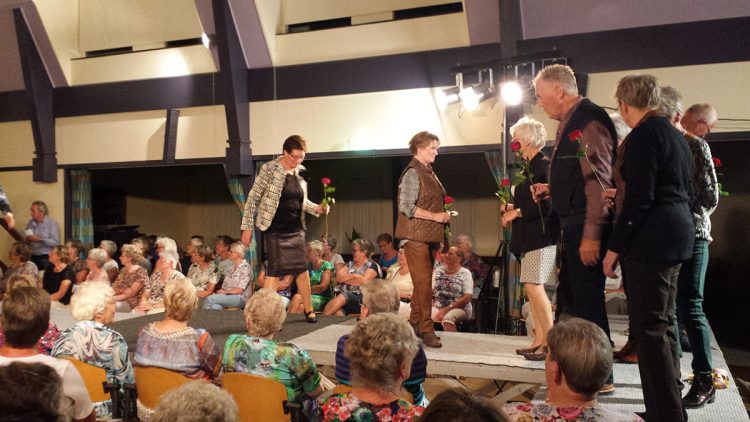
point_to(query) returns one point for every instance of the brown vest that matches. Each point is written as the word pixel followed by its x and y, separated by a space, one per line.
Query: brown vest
pixel 431 194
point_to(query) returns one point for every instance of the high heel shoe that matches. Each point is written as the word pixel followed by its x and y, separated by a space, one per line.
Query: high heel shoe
pixel 529 350
pixel 311 317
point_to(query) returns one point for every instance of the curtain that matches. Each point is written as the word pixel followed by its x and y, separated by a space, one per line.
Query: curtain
pixel 238 195
pixel 82 223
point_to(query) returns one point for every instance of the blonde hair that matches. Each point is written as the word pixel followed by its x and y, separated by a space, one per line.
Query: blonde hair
pixel 109 247
pixel 316 246
pixel 99 255
pixel 264 313
pixel 560 74
pixel 90 299
pixel 530 130
pixel 670 101
pixel 19 280
pixel 132 252
pixel 639 91
pixel 180 299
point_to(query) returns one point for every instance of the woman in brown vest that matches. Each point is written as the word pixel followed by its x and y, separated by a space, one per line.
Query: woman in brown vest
pixel 421 220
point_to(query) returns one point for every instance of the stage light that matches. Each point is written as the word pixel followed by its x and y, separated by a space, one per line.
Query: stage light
pixel 206 40
pixel 511 93
pixel 446 97
pixel 470 98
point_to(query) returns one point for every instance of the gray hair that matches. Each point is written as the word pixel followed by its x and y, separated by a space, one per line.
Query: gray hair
pixel 380 295
pixel 109 246
pixel 365 245
pixel 171 256
pixel 90 299
pixel 264 313
pixel 167 243
pixel 41 206
pixel 703 111
pixel 331 239
pixel 671 102
pixel 530 130
pixel 560 74
pixel 238 247
pixel 461 238
pixel 639 91
pixel 196 401
pixel 622 128
pixel 316 246
pixel 583 352
pixel 99 255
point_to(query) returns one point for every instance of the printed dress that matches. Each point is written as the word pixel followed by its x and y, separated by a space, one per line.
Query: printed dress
pixel 201 278
pixel 347 407
pixel 527 412
pixel 156 288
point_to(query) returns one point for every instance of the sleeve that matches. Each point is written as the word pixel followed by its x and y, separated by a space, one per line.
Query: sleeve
pixel 408 193
pixel 122 368
pixel 210 357
pixel 417 376
pixel 75 389
pixel 342 363
pixel 51 233
pixel 467 283
pixel 337 259
pixel 4 204
pixel 304 370
pixel 435 275
pixel 310 207
pixel 597 176
pixel 705 182
pixel 259 187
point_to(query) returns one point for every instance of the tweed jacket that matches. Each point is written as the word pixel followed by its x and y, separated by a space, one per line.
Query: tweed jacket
pixel 263 198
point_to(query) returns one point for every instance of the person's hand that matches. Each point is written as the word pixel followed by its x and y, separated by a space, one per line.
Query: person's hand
pixel 441 313
pixel 609 197
pixel 442 217
pixel 320 209
pixel 509 216
pixel 9 220
pixel 247 237
pixel 539 191
pixel 610 263
pixel 221 292
pixel 506 207
pixel 33 238
pixel 589 251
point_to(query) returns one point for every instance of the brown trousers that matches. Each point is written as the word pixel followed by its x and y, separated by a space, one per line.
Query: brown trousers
pixel 421 258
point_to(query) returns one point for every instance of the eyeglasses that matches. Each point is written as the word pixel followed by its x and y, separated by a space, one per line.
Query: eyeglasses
pixel 299 157
pixel 708 128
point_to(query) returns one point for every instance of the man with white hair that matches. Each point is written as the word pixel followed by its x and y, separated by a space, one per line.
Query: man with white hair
pixel 42 234
pixel 699 119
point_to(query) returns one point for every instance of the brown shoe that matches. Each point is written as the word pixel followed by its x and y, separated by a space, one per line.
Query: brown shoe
pixel 431 340
pixel 627 349
pixel 529 350
pixel 607 389
pixel 539 355
pixel 629 359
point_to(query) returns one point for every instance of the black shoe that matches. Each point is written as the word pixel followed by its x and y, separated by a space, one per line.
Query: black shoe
pixel 701 392
pixel 311 317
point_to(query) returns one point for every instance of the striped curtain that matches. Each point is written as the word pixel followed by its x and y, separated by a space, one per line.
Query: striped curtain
pixel 238 195
pixel 82 223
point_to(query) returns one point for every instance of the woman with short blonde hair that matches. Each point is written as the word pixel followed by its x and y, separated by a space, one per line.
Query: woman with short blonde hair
pixel 180 299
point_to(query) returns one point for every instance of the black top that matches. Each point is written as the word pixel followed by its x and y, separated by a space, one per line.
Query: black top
pixel 51 281
pixel 528 233
pixel 288 217
pixel 655 223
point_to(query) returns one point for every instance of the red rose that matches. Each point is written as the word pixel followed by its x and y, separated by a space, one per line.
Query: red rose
pixel 717 161
pixel 515 146
pixel 575 135
pixel 505 183
pixel 448 200
pixel 326 181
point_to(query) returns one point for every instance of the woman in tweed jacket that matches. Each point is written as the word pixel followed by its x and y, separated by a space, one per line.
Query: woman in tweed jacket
pixel 276 205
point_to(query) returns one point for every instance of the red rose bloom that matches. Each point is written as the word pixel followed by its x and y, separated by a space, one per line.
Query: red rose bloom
pixel 515 146
pixel 575 135
pixel 326 181
pixel 505 183
pixel 448 200
pixel 717 161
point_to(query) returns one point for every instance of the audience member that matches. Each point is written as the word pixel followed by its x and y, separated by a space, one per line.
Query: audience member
pixel 223 263
pixel 699 119
pixel 471 260
pixel 196 401
pixel 152 299
pixel 7 215
pixel 351 277
pixel 258 354
pixel 388 254
pixel 58 278
pixel 381 350
pixel 131 279
pixel 202 270
pixel 42 234
pixel 95 261
pixel 78 265
pixel 321 274
pixel 458 405
pixel 187 258
pixel 236 287
pixel 110 265
pixel 144 246
pixel 45 344
pixel 20 264
pixel 329 246
pixel 452 290
pixel 90 340
pixel 284 286
pixel 166 244
pixel 32 392
pixel 401 277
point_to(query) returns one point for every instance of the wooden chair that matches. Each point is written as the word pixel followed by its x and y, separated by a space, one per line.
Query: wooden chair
pixel 343 389
pixel 94 378
pixel 151 382
pixel 259 398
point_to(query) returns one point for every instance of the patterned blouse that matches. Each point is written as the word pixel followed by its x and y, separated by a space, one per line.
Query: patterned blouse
pixel 126 278
pixel 347 407
pixel 96 344
pixel 705 196
pixel 447 288
pixel 156 288
pixel 25 268
pixel 201 278
pixel 282 362
pixel 239 277
pixel 191 352
pixel 526 412
pixel 351 268
pixel 45 343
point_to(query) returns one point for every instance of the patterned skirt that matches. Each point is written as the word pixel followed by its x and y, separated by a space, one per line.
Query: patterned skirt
pixel 538 266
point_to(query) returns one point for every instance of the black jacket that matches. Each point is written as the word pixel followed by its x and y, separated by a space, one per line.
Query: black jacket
pixel 527 234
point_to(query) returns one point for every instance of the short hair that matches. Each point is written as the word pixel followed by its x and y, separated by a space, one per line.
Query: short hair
pixel 459 404
pixel 238 247
pixel 294 142
pixel 379 296
pixel 167 243
pixel 41 206
pixel 264 313
pixel 622 128
pixel 170 256
pixel 32 392
pixel 180 299
pixel 459 252
pixel 583 353
pixel 331 239
pixel 90 299
pixel 205 252
pixel 561 74
pixel 377 348
pixel 530 130
pixel 224 240
pixel 21 250
pixel 62 253
pixel 384 237
pixel 19 280
pixel 143 241
pixel 365 245
pixel 639 91
pixel 703 111
pixel 421 140
pixel 197 238
pixel 670 101
pixel 25 316
pixel 99 255
pixel 109 247
pixel 316 246
pixel 132 252
pixel 76 244
pixel 196 401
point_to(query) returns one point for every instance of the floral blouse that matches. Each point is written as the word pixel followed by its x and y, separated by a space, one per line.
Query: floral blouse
pixel 156 288
pixel 126 278
pixel 705 187
pixel 25 268
pixel 201 278
pixel 45 343
pixel 239 277
pixel 526 412
pixel 96 344
pixel 347 407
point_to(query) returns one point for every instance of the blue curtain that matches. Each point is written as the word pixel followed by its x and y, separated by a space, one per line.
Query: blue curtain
pixel 82 223
pixel 238 195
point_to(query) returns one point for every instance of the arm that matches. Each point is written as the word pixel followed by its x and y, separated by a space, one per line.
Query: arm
pixel 599 151
pixel 210 357
pixel 705 182
pixel 60 293
pixel 131 291
pixel 112 274
pixel 407 200
pixel 253 198
pixel 325 283
pixel 75 388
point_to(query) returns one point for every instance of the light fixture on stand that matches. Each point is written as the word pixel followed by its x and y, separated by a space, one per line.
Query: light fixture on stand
pixel 449 96
pixel 472 95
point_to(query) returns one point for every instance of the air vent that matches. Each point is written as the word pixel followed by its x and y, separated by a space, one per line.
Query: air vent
pixel 133 49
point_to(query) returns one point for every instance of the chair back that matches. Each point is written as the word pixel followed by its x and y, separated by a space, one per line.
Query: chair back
pixel 258 398
pixel 343 389
pixel 151 382
pixel 94 378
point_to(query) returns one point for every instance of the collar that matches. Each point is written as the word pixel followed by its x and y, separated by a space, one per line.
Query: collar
pixel 565 119
pixel 648 115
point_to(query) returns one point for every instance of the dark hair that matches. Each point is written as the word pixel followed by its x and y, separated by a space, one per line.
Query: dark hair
pixel 420 140
pixel 77 244
pixel 331 239
pixel 21 250
pixel 32 392
pixel 25 316
pixel 224 239
pixel 205 252
pixel 384 237
pixel 459 404
pixel 294 142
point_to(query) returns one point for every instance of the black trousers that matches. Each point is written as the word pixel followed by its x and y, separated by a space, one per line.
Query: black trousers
pixel 651 290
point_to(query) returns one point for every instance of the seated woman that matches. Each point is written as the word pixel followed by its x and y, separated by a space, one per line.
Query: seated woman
pixel 235 288
pixel 110 265
pixel 381 349
pixel 350 277
pixel 78 265
pixel 471 260
pixel 201 400
pixel 452 290
pixel 285 288
pixel 388 254
pixel 45 344
pixel 20 264
pixel 32 392
pixel 321 272
pixel 329 246
pixel 95 261
pixel 258 354
pixel 129 283
pixel 202 270
pixel 459 404
pixel 577 367
pixel 58 278
pixel 91 341
pixel 152 299
pixel 401 278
